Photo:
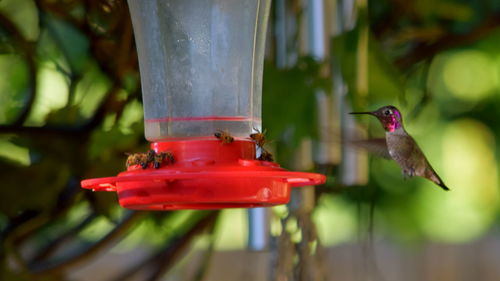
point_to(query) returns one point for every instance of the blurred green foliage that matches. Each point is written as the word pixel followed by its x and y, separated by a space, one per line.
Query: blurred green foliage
pixel 290 94
pixel 70 108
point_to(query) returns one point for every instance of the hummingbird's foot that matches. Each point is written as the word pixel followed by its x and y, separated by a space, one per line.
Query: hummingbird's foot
pixel 408 173
pixel 412 172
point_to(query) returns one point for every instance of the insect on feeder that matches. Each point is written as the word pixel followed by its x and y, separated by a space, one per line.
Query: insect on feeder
pixel 201 72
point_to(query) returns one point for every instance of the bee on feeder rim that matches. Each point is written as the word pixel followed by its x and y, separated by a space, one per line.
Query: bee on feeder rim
pixel 224 136
pixel 150 158
pixel 259 138
pixel 135 159
pixel 159 158
pixel 265 156
pixel 170 157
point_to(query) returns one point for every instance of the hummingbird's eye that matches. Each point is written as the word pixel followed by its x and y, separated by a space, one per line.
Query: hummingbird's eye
pixel 387 112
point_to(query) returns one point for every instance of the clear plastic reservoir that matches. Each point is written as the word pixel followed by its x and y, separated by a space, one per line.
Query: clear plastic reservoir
pixel 201 65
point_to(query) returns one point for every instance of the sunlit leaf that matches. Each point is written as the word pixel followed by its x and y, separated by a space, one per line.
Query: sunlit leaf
pixel 14 86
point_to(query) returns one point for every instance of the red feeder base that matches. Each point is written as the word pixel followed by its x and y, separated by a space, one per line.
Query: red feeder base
pixel 207 174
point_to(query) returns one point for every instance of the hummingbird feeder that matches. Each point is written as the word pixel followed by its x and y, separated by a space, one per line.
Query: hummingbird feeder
pixel 201 73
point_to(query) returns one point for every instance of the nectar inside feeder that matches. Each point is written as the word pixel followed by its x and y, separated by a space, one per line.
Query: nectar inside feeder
pixel 201 73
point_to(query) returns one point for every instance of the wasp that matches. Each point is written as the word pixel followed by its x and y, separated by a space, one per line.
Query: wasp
pixel 265 156
pixel 224 136
pixel 259 138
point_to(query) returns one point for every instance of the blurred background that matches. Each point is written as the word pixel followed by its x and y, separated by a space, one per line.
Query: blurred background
pixel 70 108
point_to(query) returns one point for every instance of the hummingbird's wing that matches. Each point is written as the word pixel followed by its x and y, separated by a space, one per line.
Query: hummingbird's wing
pixel 377 147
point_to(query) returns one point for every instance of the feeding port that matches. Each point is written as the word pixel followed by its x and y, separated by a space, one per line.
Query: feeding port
pixel 201 74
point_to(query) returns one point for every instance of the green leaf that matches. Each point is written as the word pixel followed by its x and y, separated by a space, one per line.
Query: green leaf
pixel 14 86
pixel 72 42
pixel 289 102
pixel 24 14
pixel 385 83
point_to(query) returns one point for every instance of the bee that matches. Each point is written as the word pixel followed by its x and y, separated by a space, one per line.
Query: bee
pixel 224 136
pixel 259 138
pixel 151 157
pixel 159 158
pixel 170 157
pixel 265 156
pixel 135 159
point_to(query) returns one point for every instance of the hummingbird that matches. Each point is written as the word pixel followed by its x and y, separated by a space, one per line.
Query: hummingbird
pixel 399 146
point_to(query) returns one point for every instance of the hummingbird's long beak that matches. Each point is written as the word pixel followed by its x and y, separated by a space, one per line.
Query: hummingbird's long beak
pixel 366 112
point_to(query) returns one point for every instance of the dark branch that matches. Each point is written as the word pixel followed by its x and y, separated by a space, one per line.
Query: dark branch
pixel 449 40
pixel 108 105
pixel 165 257
pixel 53 246
pixel 207 256
pixel 46 130
pixel 56 267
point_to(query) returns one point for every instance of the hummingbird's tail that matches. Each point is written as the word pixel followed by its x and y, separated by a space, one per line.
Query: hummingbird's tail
pixel 437 180
pixel 443 186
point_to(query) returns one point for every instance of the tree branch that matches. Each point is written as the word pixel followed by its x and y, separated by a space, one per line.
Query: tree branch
pixel 70 131
pixel 207 256
pixel 164 258
pixel 51 247
pixel 56 267
pixel 425 51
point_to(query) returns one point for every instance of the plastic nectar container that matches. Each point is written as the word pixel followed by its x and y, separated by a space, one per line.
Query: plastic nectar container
pixel 201 73
pixel 201 66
